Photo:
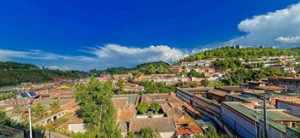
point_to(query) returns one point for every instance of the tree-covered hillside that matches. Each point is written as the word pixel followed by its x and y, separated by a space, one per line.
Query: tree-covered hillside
pixel 246 53
pixel 153 68
pixel 159 67
pixel 12 73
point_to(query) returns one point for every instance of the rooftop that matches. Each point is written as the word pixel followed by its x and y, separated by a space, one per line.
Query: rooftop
pixel 272 115
pixel 218 93
pixel 270 88
pixel 289 99
pixel 285 78
pixel 231 89
pixel 158 124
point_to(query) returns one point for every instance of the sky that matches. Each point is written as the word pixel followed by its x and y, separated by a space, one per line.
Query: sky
pixel 89 34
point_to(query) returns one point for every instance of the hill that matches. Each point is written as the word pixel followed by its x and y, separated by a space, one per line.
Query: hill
pixel 159 67
pixel 246 53
pixel 12 73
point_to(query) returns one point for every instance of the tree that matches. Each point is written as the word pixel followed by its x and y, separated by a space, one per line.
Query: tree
pixel 150 87
pixel 130 135
pixel 143 107
pixel 38 110
pixel 211 133
pixel 121 85
pixel 96 108
pixel 154 68
pixel 153 87
pixel 155 107
pixel 3 118
pixel 55 106
pixel 194 73
pixel 148 133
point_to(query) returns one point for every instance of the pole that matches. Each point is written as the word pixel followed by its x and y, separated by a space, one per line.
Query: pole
pixel 265 118
pixel 29 116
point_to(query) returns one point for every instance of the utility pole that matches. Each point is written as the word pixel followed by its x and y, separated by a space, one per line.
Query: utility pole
pixel 265 132
pixel 29 116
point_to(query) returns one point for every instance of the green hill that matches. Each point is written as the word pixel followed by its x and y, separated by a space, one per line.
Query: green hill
pixel 246 53
pixel 12 73
pixel 158 67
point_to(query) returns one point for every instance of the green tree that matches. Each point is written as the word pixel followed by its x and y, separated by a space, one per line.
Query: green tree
pixel 155 107
pixel 153 87
pixel 130 135
pixel 143 107
pixel 3 118
pixel 55 106
pixel 121 85
pixel 96 108
pixel 38 110
pixel 211 133
pixel 194 73
pixel 154 68
pixel 148 133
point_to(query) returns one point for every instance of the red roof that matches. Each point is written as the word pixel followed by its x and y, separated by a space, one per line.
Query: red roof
pixel 186 131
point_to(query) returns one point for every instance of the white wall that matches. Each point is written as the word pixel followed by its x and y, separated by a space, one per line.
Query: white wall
pixel 76 128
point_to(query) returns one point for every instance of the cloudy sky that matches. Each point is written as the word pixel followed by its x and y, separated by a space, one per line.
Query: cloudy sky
pixel 77 34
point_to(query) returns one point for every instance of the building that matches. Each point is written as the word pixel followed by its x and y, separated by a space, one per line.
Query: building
pixel 172 120
pixel 75 125
pixel 164 126
pixel 247 122
pixel 288 83
pixel 290 103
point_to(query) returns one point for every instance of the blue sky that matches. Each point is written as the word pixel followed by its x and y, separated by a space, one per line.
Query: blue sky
pixel 77 34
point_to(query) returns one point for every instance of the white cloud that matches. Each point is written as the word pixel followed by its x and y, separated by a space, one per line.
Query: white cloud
pixel 110 55
pixel 53 67
pixel 8 54
pixel 117 55
pixel 281 27
pixel 289 39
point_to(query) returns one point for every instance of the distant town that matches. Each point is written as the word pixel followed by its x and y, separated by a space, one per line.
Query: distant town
pixel 226 92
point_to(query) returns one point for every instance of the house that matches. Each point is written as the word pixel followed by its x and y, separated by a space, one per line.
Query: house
pixel 164 126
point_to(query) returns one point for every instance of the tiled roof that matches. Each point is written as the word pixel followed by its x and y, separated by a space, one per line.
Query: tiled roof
pixel 158 124
pixel 188 130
